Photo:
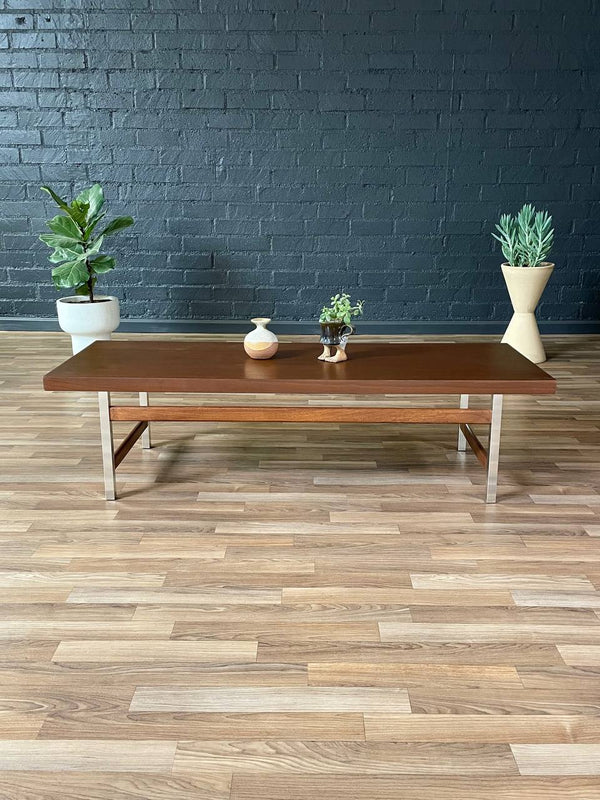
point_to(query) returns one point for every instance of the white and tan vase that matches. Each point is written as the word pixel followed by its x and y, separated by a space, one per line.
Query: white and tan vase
pixel 261 342
pixel 88 322
pixel 525 286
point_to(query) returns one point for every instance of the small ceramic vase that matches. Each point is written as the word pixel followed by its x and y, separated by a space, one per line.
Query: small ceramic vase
pixel 334 334
pixel 261 342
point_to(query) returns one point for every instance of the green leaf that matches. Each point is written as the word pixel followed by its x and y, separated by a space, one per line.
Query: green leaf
pixel 95 246
pixel 69 274
pixel 64 226
pixel 59 255
pixel 66 254
pixel 102 264
pixel 117 224
pixel 90 228
pixel 56 240
pixel 79 212
pixel 93 198
pixel 58 200
pixel 84 289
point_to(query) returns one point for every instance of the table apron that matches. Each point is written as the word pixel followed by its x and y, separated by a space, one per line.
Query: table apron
pixel 356 414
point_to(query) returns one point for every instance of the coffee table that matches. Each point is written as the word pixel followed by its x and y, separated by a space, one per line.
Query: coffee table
pixel 372 369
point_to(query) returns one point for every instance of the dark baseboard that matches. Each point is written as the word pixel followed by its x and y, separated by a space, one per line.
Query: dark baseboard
pixel 418 327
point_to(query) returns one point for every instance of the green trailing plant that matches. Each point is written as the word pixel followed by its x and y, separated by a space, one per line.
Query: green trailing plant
pixel 77 249
pixel 527 238
pixel 341 309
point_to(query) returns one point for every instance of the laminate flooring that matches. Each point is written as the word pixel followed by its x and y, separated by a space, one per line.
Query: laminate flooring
pixel 290 611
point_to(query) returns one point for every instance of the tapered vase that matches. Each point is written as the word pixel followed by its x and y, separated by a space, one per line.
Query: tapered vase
pixel 525 286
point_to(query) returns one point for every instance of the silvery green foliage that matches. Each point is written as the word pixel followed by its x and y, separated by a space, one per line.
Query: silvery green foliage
pixel 77 252
pixel 341 309
pixel 526 239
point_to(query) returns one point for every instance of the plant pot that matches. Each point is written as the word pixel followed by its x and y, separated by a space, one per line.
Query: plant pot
pixel 88 322
pixel 525 286
pixel 334 334
pixel 261 342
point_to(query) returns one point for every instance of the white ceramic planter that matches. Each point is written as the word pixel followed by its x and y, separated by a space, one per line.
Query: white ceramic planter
pixel 261 342
pixel 88 322
pixel 525 286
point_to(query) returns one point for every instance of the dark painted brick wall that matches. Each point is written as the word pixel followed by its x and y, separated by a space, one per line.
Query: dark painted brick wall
pixel 273 151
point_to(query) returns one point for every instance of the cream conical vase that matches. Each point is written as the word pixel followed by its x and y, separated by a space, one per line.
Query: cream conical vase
pixel 261 342
pixel 525 286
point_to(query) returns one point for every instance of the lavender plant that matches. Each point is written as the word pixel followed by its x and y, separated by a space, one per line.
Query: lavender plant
pixel 526 238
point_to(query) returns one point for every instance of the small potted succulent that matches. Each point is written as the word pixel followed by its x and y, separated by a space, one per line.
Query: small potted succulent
pixel 335 326
pixel 526 240
pixel 78 254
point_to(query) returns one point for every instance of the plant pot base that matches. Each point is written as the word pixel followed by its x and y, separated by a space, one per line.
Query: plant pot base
pixel 340 354
pixel 79 343
pixel 523 335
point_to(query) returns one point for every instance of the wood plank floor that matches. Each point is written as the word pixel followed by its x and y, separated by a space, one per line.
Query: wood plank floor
pixel 283 612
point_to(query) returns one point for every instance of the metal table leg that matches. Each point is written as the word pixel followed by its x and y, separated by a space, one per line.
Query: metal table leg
pixel 494 449
pixel 462 442
pixel 108 453
pixel 146 442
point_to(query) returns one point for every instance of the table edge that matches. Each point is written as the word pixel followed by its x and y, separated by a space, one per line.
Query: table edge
pixel 541 386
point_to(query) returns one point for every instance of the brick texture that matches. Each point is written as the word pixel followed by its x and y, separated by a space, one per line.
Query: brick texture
pixel 273 151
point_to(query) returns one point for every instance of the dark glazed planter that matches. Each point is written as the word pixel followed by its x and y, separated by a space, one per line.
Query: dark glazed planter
pixel 332 332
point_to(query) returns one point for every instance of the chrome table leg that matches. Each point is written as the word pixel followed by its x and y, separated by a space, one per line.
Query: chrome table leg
pixel 146 443
pixel 494 449
pixel 108 452
pixel 462 442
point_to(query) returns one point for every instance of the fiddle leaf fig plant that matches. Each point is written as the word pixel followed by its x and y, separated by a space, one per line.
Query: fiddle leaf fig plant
pixel 526 238
pixel 76 245
pixel 341 309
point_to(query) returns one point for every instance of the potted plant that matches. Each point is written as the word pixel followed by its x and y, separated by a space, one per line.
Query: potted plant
pixel 526 240
pixel 78 254
pixel 335 326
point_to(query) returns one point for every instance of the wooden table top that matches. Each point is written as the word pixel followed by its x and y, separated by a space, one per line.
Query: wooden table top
pixel 376 368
